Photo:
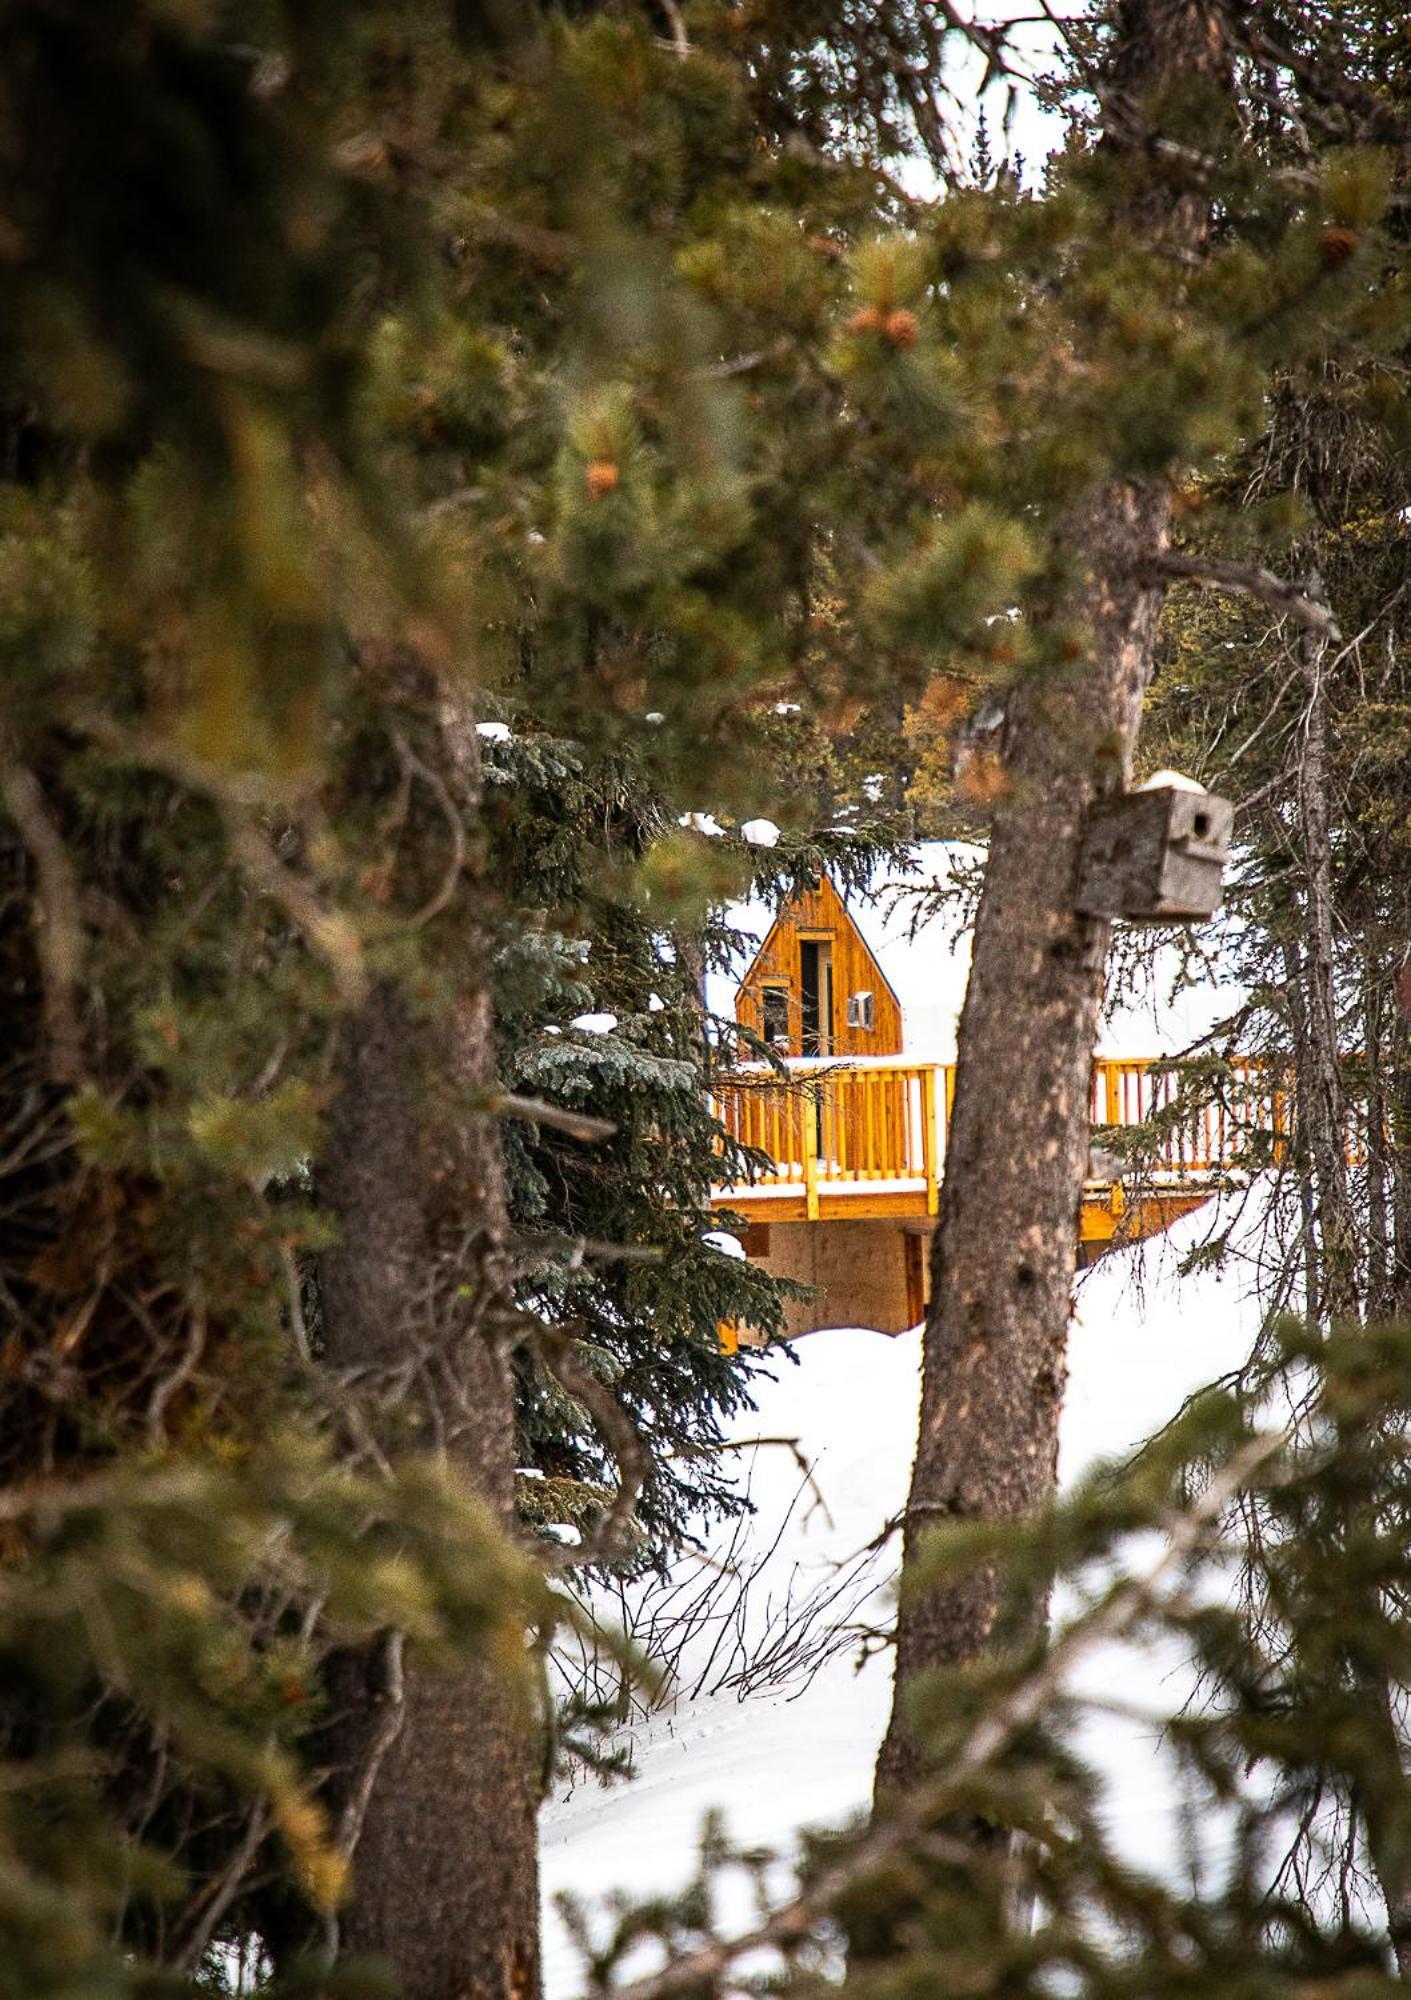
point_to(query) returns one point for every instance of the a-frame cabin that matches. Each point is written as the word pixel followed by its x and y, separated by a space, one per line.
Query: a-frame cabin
pixel 815 988
pixel 855 1133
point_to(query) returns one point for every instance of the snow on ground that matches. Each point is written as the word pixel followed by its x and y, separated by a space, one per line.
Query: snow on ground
pixel 803 1754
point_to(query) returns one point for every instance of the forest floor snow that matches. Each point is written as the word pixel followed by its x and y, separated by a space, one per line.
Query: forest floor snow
pixel 774 1758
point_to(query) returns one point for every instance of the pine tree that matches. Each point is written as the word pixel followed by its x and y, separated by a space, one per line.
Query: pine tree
pixel 1019 1132
pixel 355 366
pixel 366 374
pixel 1278 1737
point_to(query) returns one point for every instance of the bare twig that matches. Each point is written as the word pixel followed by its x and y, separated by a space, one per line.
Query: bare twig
pixel 533 1110
pixel 391 1713
pixel 680 40
pixel 219 1894
pixel 298 1325
pixel 178 1377
pixel 436 902
pixel 702 1969
pixel 559 1353
pixel 330 932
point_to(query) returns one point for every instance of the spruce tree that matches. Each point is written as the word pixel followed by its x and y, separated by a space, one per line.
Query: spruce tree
pixel 1164 307
pixel 358 364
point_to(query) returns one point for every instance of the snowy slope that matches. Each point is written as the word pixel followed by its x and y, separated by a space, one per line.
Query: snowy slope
pixel 781 1760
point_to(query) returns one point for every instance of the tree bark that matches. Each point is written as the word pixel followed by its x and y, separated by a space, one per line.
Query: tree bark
pixel 415 1300
pixel 1381 1801
pixel 1336 1296
pixel 1379 1169
pixel 1005 1245
pixel 1322 1091
pixel 1399 1121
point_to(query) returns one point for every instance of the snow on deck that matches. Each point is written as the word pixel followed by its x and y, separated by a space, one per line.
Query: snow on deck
pixel 803 1754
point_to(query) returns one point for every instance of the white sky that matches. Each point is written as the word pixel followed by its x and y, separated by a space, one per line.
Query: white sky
pixel 1018 125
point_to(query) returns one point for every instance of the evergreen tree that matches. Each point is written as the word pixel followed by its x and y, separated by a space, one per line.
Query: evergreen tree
pixel 1138 1565
pixel 615 1235
pixel 357 363
pixel 1019 1131
pixel 367 371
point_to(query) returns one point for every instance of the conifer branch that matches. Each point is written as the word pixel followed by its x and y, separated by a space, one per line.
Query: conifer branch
pixel 391 1715
pixel 910 1825
pixel 413 765
pixel 329 932
pixel 1374 116
pixel 1253 580
pixel 534 1111
pixel 559 1352
pixel 208 1911
pixel 680 43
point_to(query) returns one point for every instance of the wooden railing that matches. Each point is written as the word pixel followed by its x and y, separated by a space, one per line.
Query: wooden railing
pixel 865 1124
pixel 1240 1121
pixel 882 1124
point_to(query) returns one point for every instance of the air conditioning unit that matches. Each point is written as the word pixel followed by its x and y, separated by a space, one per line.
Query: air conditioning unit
pixel 862 1011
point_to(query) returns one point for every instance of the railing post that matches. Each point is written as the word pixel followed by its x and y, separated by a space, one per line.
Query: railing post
pixel 810 1165
pixel 930 1133
pixel 1111 1094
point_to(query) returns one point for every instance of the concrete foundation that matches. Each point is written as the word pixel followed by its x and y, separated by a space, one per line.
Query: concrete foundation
pixel 873 1274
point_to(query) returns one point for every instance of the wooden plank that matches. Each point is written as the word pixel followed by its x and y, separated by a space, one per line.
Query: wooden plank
pixel 929 1136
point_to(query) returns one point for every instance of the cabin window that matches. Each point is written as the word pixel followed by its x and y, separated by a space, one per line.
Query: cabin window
pixel 776 1017
pixel 816 995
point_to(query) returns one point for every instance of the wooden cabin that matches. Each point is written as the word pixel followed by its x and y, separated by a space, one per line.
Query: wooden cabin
pixel 815 989
pixel 855 1134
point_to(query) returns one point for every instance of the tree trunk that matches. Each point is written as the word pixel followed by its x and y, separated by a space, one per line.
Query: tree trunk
pixel 1005 1245
pixel 1006 1238
pixel 1379 1170
pixel 1381 1802
pixel 1399 1121
pixel 1323 1119
pixel 1322 1091
pixel 445 1861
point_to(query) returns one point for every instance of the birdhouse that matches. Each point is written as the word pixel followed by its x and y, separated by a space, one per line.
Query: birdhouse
pixel 1157 855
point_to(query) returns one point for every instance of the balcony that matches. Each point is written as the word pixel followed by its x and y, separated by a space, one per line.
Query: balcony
pixel 860 1138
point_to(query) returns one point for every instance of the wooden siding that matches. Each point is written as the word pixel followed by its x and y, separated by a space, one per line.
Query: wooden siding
pixel 821 913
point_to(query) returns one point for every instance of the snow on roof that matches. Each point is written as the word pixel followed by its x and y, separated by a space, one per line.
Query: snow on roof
pixel 928 971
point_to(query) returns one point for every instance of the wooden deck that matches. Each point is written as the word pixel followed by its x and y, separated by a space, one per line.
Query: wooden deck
pixel 850 1139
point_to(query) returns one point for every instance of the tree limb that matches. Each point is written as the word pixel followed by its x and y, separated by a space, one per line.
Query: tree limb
pixel 59 934
pixel 910 1824
pixel 1254 581
pixel 559 1353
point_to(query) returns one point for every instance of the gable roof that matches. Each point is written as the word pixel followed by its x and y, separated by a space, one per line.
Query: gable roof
pixel 834 904
pixel 927 971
